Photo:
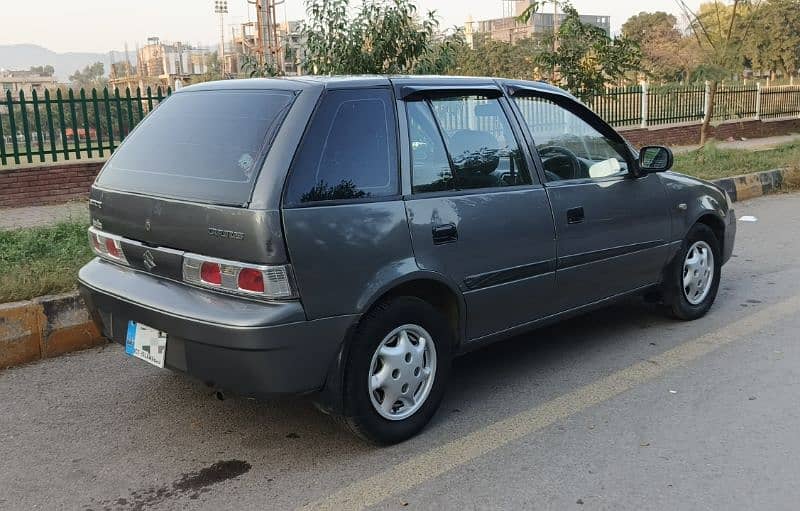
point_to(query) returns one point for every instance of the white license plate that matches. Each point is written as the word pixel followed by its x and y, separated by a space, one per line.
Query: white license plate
pixel 146 343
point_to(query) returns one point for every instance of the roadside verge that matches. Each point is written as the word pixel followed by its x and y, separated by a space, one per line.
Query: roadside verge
pixel 44 327
pixel 749 186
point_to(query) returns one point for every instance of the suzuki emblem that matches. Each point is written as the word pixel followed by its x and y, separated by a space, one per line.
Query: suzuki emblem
pixel 148 260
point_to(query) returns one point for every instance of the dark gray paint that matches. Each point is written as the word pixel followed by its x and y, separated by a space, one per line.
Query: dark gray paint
pixel 627 214
pixel 702 199
pixel 497 230
pixel 344 255
pixel 184 226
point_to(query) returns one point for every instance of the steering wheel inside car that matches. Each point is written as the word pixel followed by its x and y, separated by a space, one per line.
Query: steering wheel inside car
pixel 559 163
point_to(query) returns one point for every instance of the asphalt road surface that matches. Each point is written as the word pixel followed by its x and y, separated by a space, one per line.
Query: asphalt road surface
pixel 619 409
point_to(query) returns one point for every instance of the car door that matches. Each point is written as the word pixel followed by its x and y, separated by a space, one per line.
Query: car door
pixel 476 213
pixel 612 228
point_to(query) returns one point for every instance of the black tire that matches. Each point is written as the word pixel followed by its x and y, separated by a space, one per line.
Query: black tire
pixel 359 414
pixel 673 291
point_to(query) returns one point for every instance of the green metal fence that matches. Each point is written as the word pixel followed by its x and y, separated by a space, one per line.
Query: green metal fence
pixel 619 106
pixel 69 124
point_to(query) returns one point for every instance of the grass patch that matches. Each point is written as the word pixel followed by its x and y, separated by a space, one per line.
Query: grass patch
pixel 711 162
pixel 41 260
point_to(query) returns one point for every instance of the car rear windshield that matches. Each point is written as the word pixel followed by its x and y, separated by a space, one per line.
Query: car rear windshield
pixel 204 146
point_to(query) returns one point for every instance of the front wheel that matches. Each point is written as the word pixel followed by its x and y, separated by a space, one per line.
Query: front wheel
pixel 396 371
pixel 693 277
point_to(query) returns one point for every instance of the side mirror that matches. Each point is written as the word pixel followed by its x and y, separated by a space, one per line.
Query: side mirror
pixel 655 158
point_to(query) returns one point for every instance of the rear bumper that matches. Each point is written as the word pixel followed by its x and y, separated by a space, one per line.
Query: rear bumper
pixel 249 348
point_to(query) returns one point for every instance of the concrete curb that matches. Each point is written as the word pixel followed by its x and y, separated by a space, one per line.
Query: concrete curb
pixel 44 327
pixel 748 186
pixel 49 326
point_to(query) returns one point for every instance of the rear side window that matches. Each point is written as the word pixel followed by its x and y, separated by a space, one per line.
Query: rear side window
pixel 349 151
pixel 482 149
pixel 206 146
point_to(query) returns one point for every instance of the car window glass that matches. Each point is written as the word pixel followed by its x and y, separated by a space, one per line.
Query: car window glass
pixel 430 167
pixel 478 138
pixel 200 145
pixel 349 151
pixel 570 148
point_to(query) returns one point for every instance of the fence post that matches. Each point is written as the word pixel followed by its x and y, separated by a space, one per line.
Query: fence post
pixel 707 99
pixel 645 103
pixel 758 101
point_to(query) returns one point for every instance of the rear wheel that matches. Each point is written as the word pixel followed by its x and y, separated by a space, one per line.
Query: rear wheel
pixel 396 370
pixel 693 278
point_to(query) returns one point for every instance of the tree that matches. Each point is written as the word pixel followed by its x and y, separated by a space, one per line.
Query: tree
pixel 252 67
pixel 47 70
pixel 583 58
pixel 720 31
pixel 666 54
pixel 774 42
pixel 498 58
pixel 384 36
pixel 91 77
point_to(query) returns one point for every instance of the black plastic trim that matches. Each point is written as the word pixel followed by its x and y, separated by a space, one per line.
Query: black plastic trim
pixel 506 275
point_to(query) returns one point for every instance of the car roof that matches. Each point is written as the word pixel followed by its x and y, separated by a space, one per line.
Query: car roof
pixel 366 81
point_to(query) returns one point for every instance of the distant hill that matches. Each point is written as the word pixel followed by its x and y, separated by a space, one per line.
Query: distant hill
pixel 23 56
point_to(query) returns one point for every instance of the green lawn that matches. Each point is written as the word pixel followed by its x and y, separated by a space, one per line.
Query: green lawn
pixel 710 162
pixel 42 260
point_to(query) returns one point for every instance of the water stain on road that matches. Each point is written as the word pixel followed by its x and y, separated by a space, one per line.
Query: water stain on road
pixel 192 484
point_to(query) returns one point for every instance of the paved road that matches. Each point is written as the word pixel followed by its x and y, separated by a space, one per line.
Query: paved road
pixel 620 409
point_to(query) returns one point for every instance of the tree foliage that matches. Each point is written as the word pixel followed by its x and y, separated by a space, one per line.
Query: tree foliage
pixel 382 37
pixel 583 58
pixel 666 54
pixel 774 42
pixel 499 58
pixel 91 76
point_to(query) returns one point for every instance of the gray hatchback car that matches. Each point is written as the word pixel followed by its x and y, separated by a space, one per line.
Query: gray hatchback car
pixel 348 236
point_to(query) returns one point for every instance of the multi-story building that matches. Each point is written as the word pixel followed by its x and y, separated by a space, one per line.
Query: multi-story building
pixel 27 81
pixel 509 29
pixel 160 63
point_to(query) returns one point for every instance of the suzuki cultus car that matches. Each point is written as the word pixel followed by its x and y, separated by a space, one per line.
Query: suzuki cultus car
pixel 346 237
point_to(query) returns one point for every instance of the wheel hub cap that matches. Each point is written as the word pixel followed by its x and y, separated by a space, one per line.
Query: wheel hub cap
pixel 402 372
pixel 698 272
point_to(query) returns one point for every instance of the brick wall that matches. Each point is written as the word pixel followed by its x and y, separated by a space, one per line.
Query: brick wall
pixel 689 134
pixel 51 184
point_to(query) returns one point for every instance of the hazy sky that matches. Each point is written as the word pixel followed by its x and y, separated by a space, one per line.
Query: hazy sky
pixel 101 25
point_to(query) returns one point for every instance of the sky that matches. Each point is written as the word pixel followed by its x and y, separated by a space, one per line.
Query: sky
pixel 103 25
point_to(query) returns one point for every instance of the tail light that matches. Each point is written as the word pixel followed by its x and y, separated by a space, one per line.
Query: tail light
pixel 269 282
pixel 107 246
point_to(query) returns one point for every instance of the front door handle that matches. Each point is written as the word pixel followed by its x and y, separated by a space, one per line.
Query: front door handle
pixel 444 233
pixel 575 215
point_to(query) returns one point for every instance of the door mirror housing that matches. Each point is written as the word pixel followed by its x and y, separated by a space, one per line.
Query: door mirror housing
pixel 655 158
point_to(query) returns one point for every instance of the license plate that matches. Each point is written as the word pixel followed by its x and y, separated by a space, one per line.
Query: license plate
pixel 146 343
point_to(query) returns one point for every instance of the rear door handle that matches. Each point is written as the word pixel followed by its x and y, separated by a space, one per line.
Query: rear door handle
pixel 444 233
pixel 575 215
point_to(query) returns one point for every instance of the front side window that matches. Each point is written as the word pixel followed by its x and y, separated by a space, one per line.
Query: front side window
pixel 349 151
pixel 462 143
pixel 569 147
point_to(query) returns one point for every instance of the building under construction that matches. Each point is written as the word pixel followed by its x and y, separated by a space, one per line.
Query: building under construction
pixel 160 63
